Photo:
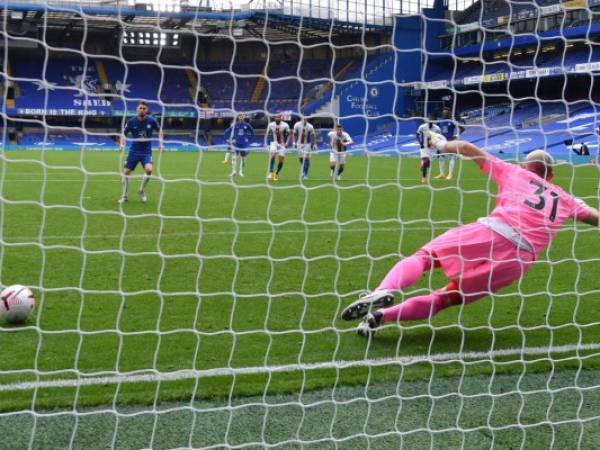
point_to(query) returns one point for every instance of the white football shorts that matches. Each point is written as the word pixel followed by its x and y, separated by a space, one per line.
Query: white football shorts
pixel 279 149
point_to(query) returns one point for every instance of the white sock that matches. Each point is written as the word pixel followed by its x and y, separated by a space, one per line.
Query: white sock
pixel 227 156
pixel 145 180
pixel 125 185
pixel 452 161
pixel 242 164
pixel 442 162
pixel 233 162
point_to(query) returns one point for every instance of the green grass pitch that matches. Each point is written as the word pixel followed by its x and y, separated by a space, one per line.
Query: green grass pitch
pixel 213 274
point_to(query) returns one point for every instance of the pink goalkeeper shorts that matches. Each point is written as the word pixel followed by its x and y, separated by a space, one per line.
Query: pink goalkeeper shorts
pixel 478 259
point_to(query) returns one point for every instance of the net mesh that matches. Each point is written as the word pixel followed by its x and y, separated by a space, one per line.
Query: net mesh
pixel 209 316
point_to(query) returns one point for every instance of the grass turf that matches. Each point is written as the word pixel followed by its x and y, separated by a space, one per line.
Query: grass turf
pixel 533 411
pixel 213 273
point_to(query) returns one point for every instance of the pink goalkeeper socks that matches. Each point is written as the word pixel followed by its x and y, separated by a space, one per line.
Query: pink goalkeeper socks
pixel 416 308
pixel 406 272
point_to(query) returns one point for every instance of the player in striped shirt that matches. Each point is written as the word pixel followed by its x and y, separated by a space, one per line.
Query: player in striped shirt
pixel 339 141
pixel 305 141
pixel 279 133
pixel 426 150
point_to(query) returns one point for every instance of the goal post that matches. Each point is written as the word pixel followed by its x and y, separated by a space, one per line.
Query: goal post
pixel 205 312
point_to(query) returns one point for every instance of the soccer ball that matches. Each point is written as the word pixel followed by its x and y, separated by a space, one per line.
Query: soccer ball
pixel 16 303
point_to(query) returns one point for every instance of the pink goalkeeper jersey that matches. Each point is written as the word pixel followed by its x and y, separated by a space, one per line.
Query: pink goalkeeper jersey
pixel 533 207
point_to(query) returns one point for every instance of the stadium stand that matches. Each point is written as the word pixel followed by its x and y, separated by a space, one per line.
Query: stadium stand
pixel 106 87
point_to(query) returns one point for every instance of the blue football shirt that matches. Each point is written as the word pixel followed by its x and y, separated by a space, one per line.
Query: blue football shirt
pixel 141 132
pixel 240 134
pixel 448 127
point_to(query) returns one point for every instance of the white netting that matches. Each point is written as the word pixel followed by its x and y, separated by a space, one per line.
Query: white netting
pixel 209 316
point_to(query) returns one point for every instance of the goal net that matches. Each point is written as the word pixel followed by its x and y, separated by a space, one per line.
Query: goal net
pixel 205 311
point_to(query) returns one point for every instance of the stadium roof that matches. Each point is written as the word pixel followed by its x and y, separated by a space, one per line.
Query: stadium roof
pixel 273 25
pixel 321 14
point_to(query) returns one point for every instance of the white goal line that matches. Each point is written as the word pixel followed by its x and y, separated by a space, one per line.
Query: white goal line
pixel 258 370
pixel 274 230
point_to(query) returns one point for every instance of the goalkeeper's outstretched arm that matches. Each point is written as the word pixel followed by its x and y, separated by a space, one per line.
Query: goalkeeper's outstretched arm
pixel 479 156
pixel 463 148
pixel 591 218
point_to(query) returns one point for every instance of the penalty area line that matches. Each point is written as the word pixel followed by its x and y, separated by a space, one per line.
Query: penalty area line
pixel 258 370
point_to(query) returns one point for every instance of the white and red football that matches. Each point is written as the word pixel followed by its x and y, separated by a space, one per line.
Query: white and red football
pixel 16 303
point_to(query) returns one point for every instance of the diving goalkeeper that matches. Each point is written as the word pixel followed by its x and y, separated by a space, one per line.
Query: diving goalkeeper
pixel 482 257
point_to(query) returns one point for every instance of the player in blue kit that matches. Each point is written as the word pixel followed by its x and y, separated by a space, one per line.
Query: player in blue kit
pixel 450 130
pixel 238 137
pixel 140 128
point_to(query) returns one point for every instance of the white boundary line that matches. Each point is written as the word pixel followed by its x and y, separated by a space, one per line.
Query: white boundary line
pixel 257 370
pixel 274 230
